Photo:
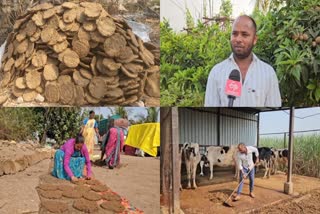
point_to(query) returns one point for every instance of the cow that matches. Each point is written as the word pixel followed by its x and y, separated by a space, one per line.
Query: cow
pixel 266 159
pixel 220 156
pixel 281 158
pixel 191 156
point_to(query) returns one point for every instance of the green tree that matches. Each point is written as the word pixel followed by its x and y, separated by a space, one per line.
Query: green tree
pixel 186 60
pixel 122 111
pixel 226 8
pixel 153 114
pixel 19 123
pixel 189 19
pixel 262 6
pixel 62 123
pixel 151 117
pixel 288 41
pixel 98 117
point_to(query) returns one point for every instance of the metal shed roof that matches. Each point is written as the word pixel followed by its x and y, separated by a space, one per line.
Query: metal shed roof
pixel 218 126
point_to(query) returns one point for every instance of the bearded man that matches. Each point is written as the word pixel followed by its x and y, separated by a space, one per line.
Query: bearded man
pixel 260 87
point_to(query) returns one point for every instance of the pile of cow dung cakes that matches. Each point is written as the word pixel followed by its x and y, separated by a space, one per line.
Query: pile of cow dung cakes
pixel 77 54
pixel 84 196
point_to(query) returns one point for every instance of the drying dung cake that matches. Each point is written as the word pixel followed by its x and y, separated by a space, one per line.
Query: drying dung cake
pixel 77 54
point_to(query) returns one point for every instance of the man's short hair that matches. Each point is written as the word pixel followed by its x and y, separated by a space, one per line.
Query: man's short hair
pixel 252 20
pixel 241 145
pixel 90 112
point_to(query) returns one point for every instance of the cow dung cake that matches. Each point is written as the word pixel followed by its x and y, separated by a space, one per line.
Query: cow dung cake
pixel 77 54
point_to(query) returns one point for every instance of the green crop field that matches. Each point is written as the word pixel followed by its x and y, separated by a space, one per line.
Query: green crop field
pixel 306 152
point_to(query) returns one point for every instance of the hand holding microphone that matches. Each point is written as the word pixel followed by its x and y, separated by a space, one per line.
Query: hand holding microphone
pixel 233 86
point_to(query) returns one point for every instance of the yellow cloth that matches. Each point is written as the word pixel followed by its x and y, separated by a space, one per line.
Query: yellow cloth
pixel 145 136
pixel 89 134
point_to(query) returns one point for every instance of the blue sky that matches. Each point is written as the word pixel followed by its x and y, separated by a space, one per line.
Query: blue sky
pixel 132 113
pixel 270 122
pixel 278 121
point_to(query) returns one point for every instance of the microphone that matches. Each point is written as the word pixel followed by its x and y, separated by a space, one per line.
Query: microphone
pixel 233 86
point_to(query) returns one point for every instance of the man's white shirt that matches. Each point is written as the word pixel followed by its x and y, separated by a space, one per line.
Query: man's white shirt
pixel 259 89
pixel 245 159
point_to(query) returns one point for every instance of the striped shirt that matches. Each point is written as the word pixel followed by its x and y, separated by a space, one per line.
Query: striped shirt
pixel 245 159
pixel 259 89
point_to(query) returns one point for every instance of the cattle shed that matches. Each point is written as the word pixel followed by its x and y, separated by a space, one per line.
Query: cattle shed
pixel 207 127
pixel 218 126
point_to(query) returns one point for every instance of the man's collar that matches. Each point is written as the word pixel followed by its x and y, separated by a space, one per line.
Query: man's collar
pixel 255 58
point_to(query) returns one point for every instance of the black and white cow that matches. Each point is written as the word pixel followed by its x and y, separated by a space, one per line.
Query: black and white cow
pixel 266 159
pixel 223 156
pixel 281 158
pixel 191 156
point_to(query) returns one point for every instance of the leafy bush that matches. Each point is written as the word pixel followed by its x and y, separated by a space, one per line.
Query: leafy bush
pixel 289 40
pixel 18 123
pixel 61 124
pixel 186 60
pixel 22 123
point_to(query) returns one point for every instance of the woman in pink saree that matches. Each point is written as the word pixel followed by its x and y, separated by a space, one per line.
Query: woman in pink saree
pixel 115 143
pixel 114 147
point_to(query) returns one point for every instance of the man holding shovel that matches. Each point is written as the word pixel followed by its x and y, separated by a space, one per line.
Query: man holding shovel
pixel 246 167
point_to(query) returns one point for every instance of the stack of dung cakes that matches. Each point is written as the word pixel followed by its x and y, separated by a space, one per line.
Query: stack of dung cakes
pixel 77 54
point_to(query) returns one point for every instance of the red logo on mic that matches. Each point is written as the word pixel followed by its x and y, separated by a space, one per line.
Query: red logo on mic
pixel 233 88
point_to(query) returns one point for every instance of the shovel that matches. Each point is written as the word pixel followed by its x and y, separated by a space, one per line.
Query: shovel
pixel 226 202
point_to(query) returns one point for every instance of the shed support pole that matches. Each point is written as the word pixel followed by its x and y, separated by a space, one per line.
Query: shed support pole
pixel 165 167
pixel 170 160
pixel 288 186
pixel 218 128
pixel 176 163
pixel 258 130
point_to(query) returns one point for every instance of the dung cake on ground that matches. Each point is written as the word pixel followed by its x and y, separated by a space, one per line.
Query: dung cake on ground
pixel 50 187
pixel 109 196
pixel 82 189
pixel 18 156
pixel 93 182
pixel 53 194
pixel 72 193
pixel 54 207
pixel 77 54
pixel 92 196
pixel 114 206
pixel 78 197
pixel 85 205
pixel 99 188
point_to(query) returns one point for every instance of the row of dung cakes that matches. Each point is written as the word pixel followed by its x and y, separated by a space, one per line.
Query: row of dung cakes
pixel 77 54
pixel 83 196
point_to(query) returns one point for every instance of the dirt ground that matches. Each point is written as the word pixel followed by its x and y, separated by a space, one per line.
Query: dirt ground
pixel 209 198
pixel 138 180
pixel 136 177
pixel 309 203
pixel 18 193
